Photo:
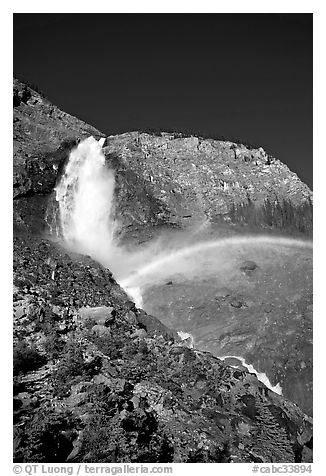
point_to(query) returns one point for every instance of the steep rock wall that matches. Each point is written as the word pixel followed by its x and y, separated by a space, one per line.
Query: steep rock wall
pixel 194 179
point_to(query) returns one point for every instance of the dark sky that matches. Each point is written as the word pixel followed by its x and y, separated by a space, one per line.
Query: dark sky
pixel 241 76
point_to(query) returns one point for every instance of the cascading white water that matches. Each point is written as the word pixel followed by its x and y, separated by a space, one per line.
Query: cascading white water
pixel 261 376
pixel 85 196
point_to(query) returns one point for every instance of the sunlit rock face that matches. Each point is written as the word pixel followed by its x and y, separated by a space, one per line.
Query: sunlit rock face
pixel 193 180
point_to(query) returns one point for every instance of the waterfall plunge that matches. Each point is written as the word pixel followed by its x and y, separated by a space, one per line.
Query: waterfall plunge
pixel 85 196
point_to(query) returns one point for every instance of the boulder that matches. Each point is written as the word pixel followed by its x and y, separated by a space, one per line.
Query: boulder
pixel 101 331
pixel 135 401
pixel 234 362
pixel 237 303
pixel 63 327
pixel 80 387
pixel 102 315
pixel 139 334
pixel 19 311
pixel 130 317
pixel 120 384
pixel 248 267
pixel 267 308
pixel 101 379
pixel 57 310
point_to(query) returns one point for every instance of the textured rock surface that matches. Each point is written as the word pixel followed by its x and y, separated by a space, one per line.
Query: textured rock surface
pixel 193 180
pixel 136 393
pixel 134 396
pixel 40 128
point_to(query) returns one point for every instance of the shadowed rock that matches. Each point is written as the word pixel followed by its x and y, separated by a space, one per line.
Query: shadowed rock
pixel 248 267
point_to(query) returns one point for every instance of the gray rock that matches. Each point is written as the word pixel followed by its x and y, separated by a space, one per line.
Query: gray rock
pixel 120 385
pixel 63 327
pixel 101 379
pixel 176 350
pixel 100 314
pixel 109 369
pixel 237 303
pixel 188 342
pixel 155 327
pixel 78 443
pixel 78 399
pixel 80 387
pixel 19 311
pixel 248 267
pixel 135 401
pixel 139 333
pixel 267 308
pixel 130 317
pixel 307 456
pixel 101 331
pixel 16 292
pixel 56 310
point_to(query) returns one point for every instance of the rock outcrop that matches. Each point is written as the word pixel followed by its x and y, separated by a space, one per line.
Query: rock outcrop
pixel 189 180
pixel 42 134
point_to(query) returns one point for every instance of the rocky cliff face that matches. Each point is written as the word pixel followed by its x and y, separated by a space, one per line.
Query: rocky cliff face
pixel 184 181
pixel 95 378
pixel 41 131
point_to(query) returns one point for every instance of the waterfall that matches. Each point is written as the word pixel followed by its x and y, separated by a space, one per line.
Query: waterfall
pixel 85 196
